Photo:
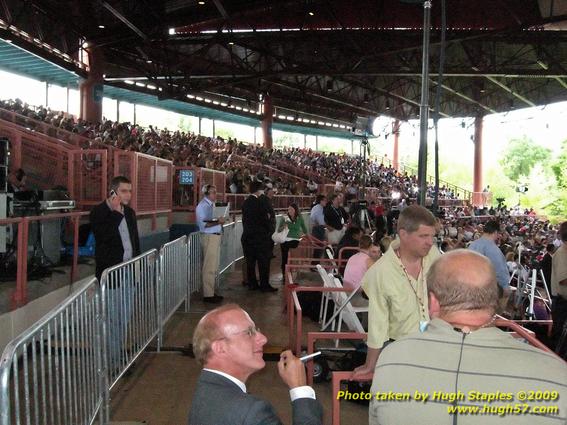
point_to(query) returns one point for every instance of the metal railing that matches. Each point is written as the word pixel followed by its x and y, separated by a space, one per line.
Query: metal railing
pixel 173 280
pixel 231 246
pixel 52 374
pixel 194 261
pixel 61 370
pixel 130 300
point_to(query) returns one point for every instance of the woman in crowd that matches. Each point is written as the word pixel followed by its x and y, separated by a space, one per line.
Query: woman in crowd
pixel 296 227
pixel 360 262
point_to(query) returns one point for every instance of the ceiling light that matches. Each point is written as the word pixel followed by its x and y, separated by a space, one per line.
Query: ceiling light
pixel 101 27
pixel 311 13
pixel 171 31
pixel 149 61
pixel 231 43
pixel 201 3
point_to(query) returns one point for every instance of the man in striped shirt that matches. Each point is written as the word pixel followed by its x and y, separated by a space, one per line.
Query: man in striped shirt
pixel 462 370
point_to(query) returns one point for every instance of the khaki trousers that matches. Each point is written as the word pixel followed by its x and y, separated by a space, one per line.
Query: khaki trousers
pixel 210 244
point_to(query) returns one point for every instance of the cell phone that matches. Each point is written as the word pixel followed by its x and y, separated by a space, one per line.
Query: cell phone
pixel 113 193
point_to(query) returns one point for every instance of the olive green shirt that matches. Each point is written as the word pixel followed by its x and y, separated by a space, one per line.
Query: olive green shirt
pixel 394 309
pixel 446 364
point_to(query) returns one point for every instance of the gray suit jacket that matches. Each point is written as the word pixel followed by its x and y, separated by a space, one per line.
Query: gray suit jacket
pixel 219 401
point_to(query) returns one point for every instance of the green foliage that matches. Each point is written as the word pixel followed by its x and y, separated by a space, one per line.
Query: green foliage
pixel 521 156
pixel 559 167
pixel 225 133
pixel 184 124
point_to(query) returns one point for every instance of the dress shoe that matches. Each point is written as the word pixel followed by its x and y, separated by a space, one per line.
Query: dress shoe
pixel 268 288
pixel 212 300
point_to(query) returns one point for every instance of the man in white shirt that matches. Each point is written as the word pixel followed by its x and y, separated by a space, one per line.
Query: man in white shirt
pixel 211 235
pixel 230 347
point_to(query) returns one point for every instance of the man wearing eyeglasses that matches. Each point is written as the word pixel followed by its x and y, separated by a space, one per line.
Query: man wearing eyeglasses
pixel 230 347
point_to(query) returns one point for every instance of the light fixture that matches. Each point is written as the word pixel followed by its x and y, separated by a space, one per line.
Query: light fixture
pixel 231 43
pixel 171 31
pixel 149 61
pixel 387 105
pixel 543 64
pixel 101 27
pixel 201 3
pixel 311 13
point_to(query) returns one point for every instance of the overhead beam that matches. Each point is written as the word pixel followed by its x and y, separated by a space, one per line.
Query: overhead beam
pixel 464 96
pixel 124 20
pixel 221 9
pixel 512 92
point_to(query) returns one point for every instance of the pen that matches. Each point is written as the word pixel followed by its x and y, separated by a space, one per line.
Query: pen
pixel 309 356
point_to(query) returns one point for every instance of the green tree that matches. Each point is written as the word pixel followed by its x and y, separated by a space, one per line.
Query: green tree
pixel 520 156
pixel 559 167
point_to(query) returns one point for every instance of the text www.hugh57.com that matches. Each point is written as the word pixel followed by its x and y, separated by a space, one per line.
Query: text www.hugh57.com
pixel 503 410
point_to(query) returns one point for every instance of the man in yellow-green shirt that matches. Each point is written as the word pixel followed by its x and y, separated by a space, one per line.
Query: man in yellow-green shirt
pixel 395 284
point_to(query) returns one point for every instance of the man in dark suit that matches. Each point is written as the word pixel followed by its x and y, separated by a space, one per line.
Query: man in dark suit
pixel 230 347
pixel 256 238
pixel 115 230
pixel 114 227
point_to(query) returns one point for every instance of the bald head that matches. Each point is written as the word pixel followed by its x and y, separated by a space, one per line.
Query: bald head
pixel 463 280
pixel 209 329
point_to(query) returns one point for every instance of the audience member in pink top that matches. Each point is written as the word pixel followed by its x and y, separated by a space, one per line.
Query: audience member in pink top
pixel 359 263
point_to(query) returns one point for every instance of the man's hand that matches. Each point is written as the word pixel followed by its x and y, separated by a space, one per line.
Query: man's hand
pixel 291 370
pixel 115 203
pixel 221 220
pixel 360 371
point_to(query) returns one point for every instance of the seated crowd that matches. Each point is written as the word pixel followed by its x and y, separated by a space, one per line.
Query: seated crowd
pixel 239 160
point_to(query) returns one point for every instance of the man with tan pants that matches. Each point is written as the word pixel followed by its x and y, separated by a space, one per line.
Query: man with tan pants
pixel 211 234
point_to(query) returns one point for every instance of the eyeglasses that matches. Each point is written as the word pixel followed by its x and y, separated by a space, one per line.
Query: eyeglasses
pixel 251 332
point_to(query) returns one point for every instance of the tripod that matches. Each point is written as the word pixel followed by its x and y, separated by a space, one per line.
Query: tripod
pixel 526 288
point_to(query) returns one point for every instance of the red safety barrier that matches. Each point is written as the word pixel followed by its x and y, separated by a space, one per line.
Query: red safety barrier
pixel 316 336
pixel 152 179
pixel 20 294
pixel 292 304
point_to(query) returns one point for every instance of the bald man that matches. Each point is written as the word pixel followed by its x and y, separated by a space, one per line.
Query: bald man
pixel 461 360
pixel 230 347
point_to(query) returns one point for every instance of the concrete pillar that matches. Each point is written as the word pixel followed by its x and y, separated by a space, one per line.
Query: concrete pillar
pixel 91 90
pixel 395 156
pixel 477 181
pixel 267 121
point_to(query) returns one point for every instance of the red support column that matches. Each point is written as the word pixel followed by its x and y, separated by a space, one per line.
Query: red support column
pixel 92 89
pixel 267 121
pixel 477 182
pixel 395 157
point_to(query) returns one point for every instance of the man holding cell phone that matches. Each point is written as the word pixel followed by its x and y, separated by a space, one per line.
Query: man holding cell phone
pixel 114 227
pixel 115 230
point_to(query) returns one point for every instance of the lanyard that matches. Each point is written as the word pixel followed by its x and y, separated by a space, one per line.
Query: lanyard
pixel 419 299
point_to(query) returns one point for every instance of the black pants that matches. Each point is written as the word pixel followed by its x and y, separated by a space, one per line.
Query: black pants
pixel 261 255
pixel 285 247
pixel 319 233
pixel 559 315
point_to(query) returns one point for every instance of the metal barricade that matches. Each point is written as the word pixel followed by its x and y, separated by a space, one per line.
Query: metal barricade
pixel 231 247
pixel 51 373
pixel 173 280
pixel 129 294
pixel 194 262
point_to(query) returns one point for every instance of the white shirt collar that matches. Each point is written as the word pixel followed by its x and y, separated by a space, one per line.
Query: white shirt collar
pixel 238 382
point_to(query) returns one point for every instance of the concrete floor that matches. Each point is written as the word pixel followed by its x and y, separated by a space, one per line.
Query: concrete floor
pixel 37 288
pixel 160 389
